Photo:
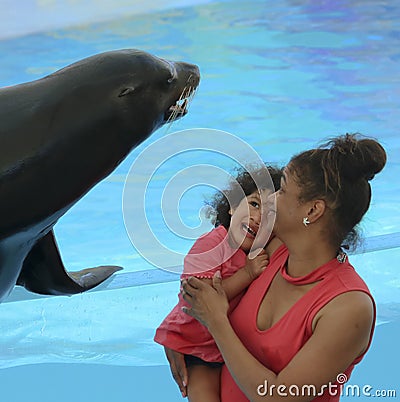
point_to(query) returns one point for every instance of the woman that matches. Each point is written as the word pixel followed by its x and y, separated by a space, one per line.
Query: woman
pixel 309 318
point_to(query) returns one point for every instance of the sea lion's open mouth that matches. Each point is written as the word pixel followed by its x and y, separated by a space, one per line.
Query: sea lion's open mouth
pixel 177 110
pixel 180 107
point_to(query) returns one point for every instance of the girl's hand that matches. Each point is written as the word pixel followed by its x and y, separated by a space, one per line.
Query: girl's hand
pixel 178 368
pixel 208 303
pixel 254 266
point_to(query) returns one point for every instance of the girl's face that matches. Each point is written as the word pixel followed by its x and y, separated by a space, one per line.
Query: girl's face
pixel 246 222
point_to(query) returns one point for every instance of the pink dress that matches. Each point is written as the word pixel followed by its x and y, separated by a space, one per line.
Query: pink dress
pixel 276 346
pixel 181 332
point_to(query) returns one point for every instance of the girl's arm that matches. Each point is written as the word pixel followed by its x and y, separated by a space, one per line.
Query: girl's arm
pixel 234 284
pixel 341 333
pixel 242 278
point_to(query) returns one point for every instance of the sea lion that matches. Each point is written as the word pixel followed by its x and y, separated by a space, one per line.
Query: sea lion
pixel 62 134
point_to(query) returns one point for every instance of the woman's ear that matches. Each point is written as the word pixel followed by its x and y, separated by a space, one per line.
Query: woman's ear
pixel 317 209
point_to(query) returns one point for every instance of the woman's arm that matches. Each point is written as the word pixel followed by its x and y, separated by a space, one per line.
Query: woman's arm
pixel 178 368
pixel 341 333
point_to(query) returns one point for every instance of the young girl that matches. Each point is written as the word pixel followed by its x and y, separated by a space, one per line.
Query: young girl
pixel 224 249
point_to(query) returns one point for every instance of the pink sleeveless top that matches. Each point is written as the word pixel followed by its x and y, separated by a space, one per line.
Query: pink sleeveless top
pixel 276 346
pixel 181 332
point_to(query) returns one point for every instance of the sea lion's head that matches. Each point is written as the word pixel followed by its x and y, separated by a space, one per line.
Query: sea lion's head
pixel 147 91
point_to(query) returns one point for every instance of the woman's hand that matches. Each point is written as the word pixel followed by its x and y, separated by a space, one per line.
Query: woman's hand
pixel 208 303
pixel 178 368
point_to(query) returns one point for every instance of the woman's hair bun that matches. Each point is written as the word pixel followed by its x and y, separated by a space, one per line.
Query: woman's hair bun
pixel 356 157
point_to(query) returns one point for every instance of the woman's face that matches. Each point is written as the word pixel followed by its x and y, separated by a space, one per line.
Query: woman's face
pixel 289 211
pixel 246 222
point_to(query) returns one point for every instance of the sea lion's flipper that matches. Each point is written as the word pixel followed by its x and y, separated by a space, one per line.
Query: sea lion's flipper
pixel 43 271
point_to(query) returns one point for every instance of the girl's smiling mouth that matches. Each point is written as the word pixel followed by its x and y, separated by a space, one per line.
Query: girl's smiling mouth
pixel 248 230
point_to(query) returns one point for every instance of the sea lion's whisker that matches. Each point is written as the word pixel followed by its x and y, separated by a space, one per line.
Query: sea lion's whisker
pixel 192 94
pixel 173 115
pixel 176 110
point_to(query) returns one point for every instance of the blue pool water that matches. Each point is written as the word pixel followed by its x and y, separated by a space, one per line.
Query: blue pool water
pixel 281 76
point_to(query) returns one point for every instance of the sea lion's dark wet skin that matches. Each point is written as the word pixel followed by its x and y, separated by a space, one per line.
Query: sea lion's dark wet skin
pixel 62 134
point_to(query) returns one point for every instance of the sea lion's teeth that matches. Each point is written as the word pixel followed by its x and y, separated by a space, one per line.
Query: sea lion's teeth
pixel 177 108
pixel 180 107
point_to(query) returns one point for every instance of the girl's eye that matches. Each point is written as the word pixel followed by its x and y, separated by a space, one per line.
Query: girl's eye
pixel 255 204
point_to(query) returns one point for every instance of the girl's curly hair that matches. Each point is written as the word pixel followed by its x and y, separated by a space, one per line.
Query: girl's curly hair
pixel 247 181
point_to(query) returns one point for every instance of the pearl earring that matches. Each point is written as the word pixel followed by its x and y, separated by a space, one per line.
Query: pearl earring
pixel 306 221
